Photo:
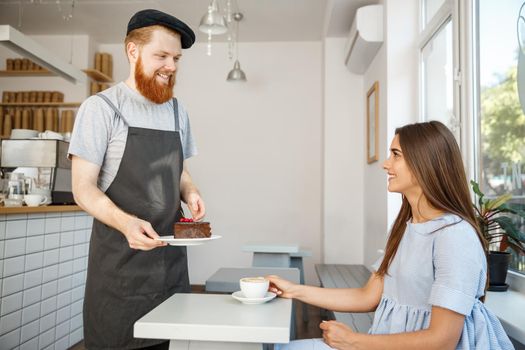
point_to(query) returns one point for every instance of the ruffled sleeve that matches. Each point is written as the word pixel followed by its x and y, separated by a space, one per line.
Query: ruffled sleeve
pixel 459 268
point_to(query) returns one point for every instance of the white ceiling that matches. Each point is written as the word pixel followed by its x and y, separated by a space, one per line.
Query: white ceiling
pixel 106 20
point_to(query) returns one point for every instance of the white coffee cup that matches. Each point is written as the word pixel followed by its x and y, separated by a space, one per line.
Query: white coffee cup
pixel 34 200
pixel 43 192
pixel 254 287
pixel 12 202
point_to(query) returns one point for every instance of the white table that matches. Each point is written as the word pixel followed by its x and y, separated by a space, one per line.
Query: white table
pixel 226 280
pixel 216 322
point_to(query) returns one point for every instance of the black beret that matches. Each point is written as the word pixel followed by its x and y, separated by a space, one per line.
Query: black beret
pixel 146 18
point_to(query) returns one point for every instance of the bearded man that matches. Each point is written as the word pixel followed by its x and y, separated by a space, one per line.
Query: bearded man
pixel 128 150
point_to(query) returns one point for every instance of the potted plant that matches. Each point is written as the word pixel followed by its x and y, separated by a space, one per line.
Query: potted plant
pixel 500 231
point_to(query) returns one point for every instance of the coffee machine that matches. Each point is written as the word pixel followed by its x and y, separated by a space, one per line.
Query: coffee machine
pixel 48 156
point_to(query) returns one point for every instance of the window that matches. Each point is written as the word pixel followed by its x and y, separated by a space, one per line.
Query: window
pixel 429 8
pixel 438 64
pixel 500 118
pixel 499 147
pixel 437 71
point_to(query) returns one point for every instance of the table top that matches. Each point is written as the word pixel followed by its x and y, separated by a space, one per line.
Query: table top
pixel 226 279
pixel 214 317
pixel 271 248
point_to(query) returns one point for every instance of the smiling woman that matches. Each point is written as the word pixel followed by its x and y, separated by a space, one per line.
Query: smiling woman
pixel 427 291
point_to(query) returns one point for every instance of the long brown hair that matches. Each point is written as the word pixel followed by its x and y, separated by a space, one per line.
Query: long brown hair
pixel 434 159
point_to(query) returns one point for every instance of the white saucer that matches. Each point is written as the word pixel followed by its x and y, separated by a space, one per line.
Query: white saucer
pixel 252 301
pixel 186 241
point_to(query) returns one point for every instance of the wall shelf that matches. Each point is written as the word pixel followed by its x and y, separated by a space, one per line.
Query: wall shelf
pixel 40 104
pixel 26 73
pixel 97 75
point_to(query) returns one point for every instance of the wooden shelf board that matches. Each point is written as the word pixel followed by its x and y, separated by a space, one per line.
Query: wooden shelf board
pixel 40 104
pixel 98 76
pixel 41 209
pixel 26 73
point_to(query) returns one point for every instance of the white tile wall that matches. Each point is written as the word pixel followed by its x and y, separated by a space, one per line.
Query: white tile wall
pixel 43 261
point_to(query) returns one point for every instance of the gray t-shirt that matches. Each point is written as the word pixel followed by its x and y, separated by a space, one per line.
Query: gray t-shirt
pixel 99 135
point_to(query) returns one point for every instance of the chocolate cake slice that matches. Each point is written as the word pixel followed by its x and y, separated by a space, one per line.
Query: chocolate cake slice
pixel 192 230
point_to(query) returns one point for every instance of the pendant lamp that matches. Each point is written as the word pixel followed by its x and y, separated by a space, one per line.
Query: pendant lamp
pixel 237 74
pixel 212 23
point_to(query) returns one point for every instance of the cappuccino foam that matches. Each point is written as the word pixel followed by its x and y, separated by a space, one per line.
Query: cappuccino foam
pixel 253 279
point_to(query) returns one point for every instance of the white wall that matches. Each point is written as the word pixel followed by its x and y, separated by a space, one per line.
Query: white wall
pixel 259 164
pixel 375 198
pixel 396 69
pixel 402 74
pixel 344 158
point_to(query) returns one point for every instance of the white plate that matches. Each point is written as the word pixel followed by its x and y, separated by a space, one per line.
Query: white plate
pixel 240 296
pixel 187 241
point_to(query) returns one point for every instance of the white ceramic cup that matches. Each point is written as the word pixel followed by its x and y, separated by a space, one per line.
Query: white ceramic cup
pixel 254 287
pixel 43 192
pixel 12 202
pixel 34 200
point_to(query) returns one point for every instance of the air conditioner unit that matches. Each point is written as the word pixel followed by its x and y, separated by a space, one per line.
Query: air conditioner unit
pixel 365 39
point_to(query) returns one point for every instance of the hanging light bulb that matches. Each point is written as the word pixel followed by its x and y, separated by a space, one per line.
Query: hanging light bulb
pixel 212 23
pixel 236 74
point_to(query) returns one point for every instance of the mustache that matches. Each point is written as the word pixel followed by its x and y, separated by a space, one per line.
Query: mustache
pixel 150 88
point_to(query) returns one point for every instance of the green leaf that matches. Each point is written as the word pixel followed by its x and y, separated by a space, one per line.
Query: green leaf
pixel 477 191
pixel 496 203
pixel 510 229
pixel 515 208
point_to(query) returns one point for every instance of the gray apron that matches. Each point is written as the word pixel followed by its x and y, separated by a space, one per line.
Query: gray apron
pixel 123 284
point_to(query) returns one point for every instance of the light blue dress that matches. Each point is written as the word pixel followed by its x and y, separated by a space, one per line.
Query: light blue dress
pixel 438 263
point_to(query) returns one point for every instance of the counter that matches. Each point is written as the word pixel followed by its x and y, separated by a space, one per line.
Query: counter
pixel 43 262
pixel 40 209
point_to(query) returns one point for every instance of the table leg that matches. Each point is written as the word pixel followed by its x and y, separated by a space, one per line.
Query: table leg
pixel 297 262
pixel 211 345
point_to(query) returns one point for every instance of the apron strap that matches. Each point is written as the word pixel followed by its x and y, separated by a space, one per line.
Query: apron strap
pixel 115 109
pixel 176 114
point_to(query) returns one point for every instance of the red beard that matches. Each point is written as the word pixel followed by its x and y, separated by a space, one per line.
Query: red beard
pixel 150 88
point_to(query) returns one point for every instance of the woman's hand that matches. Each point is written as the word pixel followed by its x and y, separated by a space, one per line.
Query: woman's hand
pixel 281 287
pixel 338 335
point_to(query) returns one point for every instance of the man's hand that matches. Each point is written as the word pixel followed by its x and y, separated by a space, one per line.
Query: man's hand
pixel 337 335
pixel 195 205
pixel 141 235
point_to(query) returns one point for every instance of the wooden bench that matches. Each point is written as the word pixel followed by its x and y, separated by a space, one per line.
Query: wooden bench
pixel 346 276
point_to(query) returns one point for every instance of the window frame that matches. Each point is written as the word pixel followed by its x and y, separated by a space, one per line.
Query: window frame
pixel 447 13
pixel 466 105
pixel 471 108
